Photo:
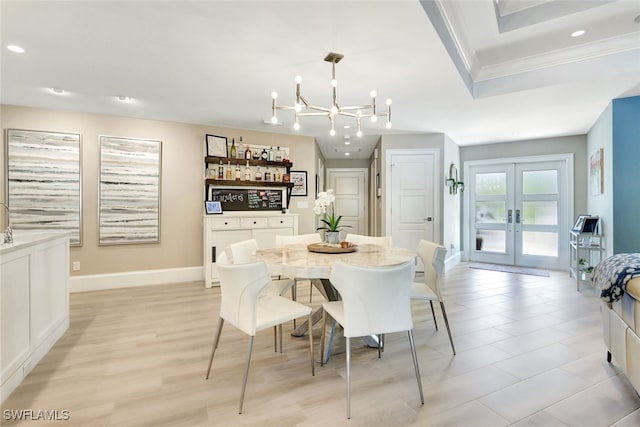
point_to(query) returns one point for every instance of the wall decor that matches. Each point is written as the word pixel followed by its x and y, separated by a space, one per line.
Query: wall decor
pixel 596 172
pixel 44 189
pixel 129 193
pixel 299 179
pixel 216 146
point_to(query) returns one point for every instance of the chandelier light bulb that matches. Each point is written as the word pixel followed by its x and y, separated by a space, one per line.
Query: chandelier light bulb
pixel 334 82
pixel 274 95
pixel 297 107
pixel 274 120
pixel 332 132
pixel 388 125
pixel 374 118
pixel 296 126
pixel 388 102
pixel 372 93
pixel 359 133
pixel 298 79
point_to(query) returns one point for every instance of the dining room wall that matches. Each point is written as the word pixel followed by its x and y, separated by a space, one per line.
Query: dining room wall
pixel 182 193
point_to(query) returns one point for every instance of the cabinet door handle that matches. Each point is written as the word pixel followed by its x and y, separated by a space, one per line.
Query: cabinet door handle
pixel 213 254
pixel 226 223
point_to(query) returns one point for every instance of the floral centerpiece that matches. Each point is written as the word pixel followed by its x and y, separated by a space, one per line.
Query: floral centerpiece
pixel 324 206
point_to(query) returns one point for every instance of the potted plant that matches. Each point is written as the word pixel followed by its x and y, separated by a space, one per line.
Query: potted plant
pixel 324 206
pixel 585 267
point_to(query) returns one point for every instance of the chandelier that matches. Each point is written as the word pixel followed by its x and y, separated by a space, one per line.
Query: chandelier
pixel 302 108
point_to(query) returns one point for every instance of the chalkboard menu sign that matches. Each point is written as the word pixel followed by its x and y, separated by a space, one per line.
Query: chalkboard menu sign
pixel 246 199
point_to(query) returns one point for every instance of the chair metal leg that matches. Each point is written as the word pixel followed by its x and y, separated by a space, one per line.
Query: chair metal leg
pixel 246 373
pixel 348 344
pixel 446 322
pixel 324 330
pixel 313 357
pixel 216 340
pixel 434 314
pixel 415 365
pixel 294 296
pixel 380 345
pixel 280 333
pixel 275 339
pixel 310 292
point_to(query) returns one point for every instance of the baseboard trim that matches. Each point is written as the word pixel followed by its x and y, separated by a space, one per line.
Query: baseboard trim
pixel 98 282
pixel 453 260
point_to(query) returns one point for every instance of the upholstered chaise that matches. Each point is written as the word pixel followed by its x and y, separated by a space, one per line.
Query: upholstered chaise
pixel 621 313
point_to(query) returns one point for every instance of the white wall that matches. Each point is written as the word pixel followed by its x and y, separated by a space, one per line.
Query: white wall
pixel 601 136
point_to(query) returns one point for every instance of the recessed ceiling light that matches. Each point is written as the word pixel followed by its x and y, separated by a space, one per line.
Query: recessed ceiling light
pixel 57 90
pixel 15 48
pixel 347 154
pixel 124 98
pixel 347 126
pixel 347 143
pixel 578 33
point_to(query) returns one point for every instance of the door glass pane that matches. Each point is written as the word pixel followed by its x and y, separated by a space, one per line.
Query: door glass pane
pixel 540 182
pixel 491 184
pixel 491 241
pixel 540 212
pixel 491 212
pixel 540 243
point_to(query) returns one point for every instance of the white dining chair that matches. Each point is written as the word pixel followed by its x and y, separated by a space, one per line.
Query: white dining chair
pixel 243 252
pixel 360 239
pixel 374 301
pixel 243 307
pixel 306 239
pixel 432 256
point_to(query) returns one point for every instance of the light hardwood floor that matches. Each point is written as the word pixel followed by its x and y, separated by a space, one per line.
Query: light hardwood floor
pixel 530 353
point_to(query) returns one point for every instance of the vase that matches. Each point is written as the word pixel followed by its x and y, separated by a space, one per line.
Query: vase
pixel 332 237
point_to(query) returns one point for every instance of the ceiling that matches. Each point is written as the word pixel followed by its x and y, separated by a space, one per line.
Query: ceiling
pixel 480 71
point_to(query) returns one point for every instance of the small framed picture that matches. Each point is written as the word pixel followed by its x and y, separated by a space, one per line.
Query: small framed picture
pixel 212 208
pixel 590 225
pixel 216 146
pixel 577 227
pixel 299 179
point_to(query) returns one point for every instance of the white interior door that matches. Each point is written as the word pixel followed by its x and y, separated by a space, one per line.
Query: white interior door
pixel 519 211
pixel 349 187
pixel 412 204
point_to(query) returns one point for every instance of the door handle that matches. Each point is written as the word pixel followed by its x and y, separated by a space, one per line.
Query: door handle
pixel 517 216
pixel 510 216
pixel 429 219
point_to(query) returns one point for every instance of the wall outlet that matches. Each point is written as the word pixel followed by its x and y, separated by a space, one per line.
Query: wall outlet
pixel 76 265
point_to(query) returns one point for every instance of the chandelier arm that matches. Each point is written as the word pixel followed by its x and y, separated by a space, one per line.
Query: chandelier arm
pixel 356 107
pixel 313 114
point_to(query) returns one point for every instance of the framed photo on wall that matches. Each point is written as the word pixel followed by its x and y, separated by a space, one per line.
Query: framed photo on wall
pixel 216 146
pixel 299 179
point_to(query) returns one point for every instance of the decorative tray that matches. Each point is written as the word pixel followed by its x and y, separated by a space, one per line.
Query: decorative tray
pixel 330 248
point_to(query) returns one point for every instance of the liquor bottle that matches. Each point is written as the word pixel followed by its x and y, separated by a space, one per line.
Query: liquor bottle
pixel 238 173
pixel 267 175
pixel 278 155
pixel 229 174
pixel 272 155
pixel 233 149
pixel 258 174
pixel 277 175
pixel 264 156
pixel 240 152
pixel 247 153
pixel 247 173
pixel 220 171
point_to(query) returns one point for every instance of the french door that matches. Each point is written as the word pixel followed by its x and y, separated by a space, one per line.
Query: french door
pixel 518 213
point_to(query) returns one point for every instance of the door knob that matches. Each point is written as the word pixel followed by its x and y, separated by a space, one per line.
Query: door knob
pixel 429 218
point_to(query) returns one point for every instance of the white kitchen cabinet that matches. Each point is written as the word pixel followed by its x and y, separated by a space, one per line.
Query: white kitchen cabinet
pixel 222 230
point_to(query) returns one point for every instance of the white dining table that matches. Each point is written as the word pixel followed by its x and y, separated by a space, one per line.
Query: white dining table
pixel 297 261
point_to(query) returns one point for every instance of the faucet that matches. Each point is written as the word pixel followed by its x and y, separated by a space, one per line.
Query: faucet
pixel 8 233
